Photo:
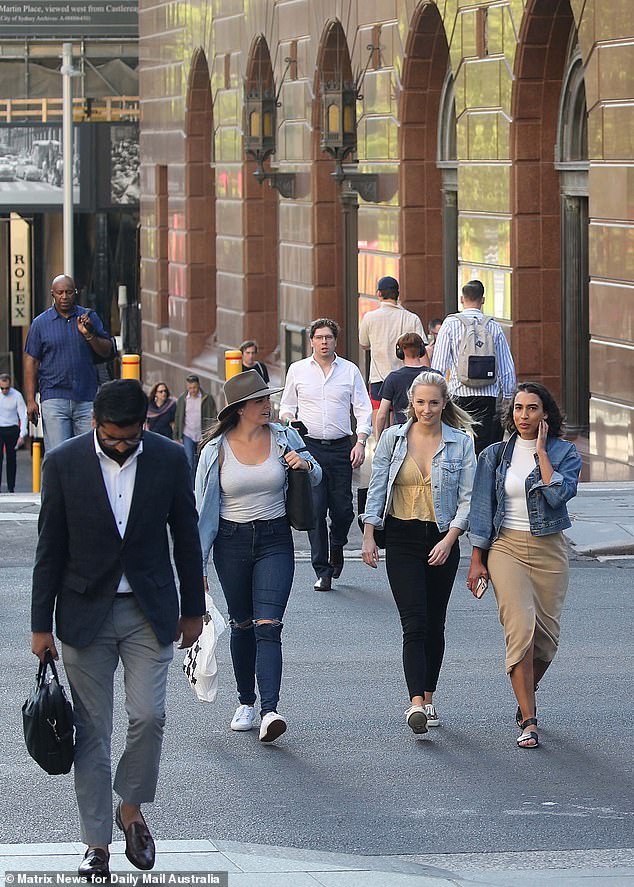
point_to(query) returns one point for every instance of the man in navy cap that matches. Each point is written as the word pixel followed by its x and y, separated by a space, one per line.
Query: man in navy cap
pixel 379 332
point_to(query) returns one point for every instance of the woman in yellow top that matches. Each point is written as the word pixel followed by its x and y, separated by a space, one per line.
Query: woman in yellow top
pixel 420 491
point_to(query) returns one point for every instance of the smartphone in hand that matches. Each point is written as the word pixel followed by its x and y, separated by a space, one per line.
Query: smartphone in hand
pixel 481 587
pixel 298 425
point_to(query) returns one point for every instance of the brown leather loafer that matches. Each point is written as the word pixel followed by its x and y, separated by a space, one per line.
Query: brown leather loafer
pixel 94 864
pixel 139 843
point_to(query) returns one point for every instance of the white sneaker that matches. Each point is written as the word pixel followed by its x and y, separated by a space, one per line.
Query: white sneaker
pixel 272 726
pixel 432 715
pixel 416 719
pixel 243 718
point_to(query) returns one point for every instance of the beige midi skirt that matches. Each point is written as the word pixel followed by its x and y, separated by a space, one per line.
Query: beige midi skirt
pixel 529 575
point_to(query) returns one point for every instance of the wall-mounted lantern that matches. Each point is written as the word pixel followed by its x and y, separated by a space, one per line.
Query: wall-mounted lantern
pixel 260 129
pixel 339 131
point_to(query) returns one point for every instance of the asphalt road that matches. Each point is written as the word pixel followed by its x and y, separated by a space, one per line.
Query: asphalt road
pixel 348 775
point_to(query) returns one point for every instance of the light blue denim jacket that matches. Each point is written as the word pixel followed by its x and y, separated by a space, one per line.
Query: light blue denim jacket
pixel 452 470
pixel 547 512
pixel 208 481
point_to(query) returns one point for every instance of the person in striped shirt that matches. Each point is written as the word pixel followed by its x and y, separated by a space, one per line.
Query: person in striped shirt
pixel 480 402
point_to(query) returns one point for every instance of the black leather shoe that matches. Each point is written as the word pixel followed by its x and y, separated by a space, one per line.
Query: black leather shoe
pixel 94 864
pixel 336 560
pixel 139 843
pixel 323 584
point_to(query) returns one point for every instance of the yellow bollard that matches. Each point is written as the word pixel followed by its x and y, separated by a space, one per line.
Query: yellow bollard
pixel 36 454
pixel 233 363
pixel 131 366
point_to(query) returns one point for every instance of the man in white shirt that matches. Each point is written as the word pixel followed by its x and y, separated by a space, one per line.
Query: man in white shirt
pixel 320 391
pixel 379 332
pixel 13 427
pixel 480 401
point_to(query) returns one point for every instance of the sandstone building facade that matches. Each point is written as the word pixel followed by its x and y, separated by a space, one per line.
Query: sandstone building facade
pixel 496 141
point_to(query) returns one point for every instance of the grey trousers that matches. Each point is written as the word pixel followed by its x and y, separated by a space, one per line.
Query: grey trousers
pixel 127 636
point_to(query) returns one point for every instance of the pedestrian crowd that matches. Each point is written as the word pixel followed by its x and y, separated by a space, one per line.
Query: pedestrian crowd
pixel 461 447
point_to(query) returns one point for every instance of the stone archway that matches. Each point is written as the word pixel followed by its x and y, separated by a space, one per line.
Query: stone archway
pixel 422 192
pixel 536 203
pixel 193 266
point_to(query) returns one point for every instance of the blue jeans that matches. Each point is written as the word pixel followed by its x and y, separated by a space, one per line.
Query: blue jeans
pixel 255 565
pixel 63 419
pixel 191 451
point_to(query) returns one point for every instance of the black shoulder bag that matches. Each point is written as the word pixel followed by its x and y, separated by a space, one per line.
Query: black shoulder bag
pixel 300 509
pixel 47 717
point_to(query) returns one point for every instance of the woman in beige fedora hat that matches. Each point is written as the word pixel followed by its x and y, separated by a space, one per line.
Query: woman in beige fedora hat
pixel 241 487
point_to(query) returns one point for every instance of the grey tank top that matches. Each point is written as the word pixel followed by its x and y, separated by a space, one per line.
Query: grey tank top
pixel 251 492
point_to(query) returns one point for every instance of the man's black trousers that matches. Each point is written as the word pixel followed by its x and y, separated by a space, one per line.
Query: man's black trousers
pixel 333 496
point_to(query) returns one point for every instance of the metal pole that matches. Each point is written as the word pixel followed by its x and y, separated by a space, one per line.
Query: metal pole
pixel 67 97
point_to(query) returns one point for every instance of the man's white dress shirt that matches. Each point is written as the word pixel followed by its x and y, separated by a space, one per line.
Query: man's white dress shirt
pixel 119 482
pixel 323 401
pixel 13 411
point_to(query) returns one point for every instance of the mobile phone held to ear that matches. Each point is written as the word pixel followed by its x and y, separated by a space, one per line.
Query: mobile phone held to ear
pixel 481 587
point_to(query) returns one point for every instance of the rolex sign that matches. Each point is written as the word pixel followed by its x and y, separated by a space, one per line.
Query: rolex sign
pixel 20 271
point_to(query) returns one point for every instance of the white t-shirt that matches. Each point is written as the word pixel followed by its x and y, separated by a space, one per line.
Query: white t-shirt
pixel 522 463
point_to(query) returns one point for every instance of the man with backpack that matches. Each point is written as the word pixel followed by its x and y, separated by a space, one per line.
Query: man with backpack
pixel 473 347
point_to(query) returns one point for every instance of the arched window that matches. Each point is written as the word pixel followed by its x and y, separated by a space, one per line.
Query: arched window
pixel 447 151
pixel 448 162
pixel 572 129
pixel 571 159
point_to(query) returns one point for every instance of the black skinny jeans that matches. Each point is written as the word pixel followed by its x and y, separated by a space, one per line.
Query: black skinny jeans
pixel 422 594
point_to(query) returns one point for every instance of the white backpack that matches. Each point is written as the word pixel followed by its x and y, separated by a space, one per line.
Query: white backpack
pixel 476 360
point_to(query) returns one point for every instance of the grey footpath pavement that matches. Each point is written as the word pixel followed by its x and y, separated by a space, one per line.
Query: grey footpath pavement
pixel 252 865
pixel 603 526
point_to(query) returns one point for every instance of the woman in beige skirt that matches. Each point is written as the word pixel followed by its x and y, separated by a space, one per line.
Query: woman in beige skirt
pixel 516 523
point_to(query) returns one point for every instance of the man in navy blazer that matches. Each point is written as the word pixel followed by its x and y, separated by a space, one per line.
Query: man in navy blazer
pixel 103 567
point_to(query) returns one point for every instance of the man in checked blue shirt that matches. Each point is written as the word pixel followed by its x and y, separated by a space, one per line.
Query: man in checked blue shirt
pixel 480 401
pixel 62 347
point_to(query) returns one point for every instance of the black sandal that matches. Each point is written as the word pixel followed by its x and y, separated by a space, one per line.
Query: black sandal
pixel 518 716
pixel 528 734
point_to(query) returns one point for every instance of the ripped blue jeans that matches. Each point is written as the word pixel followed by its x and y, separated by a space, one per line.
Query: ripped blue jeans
pixel 255 565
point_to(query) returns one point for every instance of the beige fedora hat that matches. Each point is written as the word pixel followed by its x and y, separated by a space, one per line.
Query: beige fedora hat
pixel 248 385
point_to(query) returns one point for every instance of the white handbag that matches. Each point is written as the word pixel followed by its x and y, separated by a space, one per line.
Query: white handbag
pixel 199 665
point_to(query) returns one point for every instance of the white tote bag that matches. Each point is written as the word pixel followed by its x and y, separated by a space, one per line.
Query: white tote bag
pixel 199 665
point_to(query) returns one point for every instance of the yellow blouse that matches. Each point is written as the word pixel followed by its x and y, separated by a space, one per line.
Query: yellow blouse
pixel 411 494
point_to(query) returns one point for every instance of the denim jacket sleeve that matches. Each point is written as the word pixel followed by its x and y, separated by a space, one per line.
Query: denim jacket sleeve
pixel 563 483
pixel 483 500
pixel 465 486
pixel 207 489
pixel 377 490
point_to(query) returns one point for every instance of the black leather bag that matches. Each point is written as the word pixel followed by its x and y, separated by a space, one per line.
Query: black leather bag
pixel 47 717
pixel 300 509
pixel 379 534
